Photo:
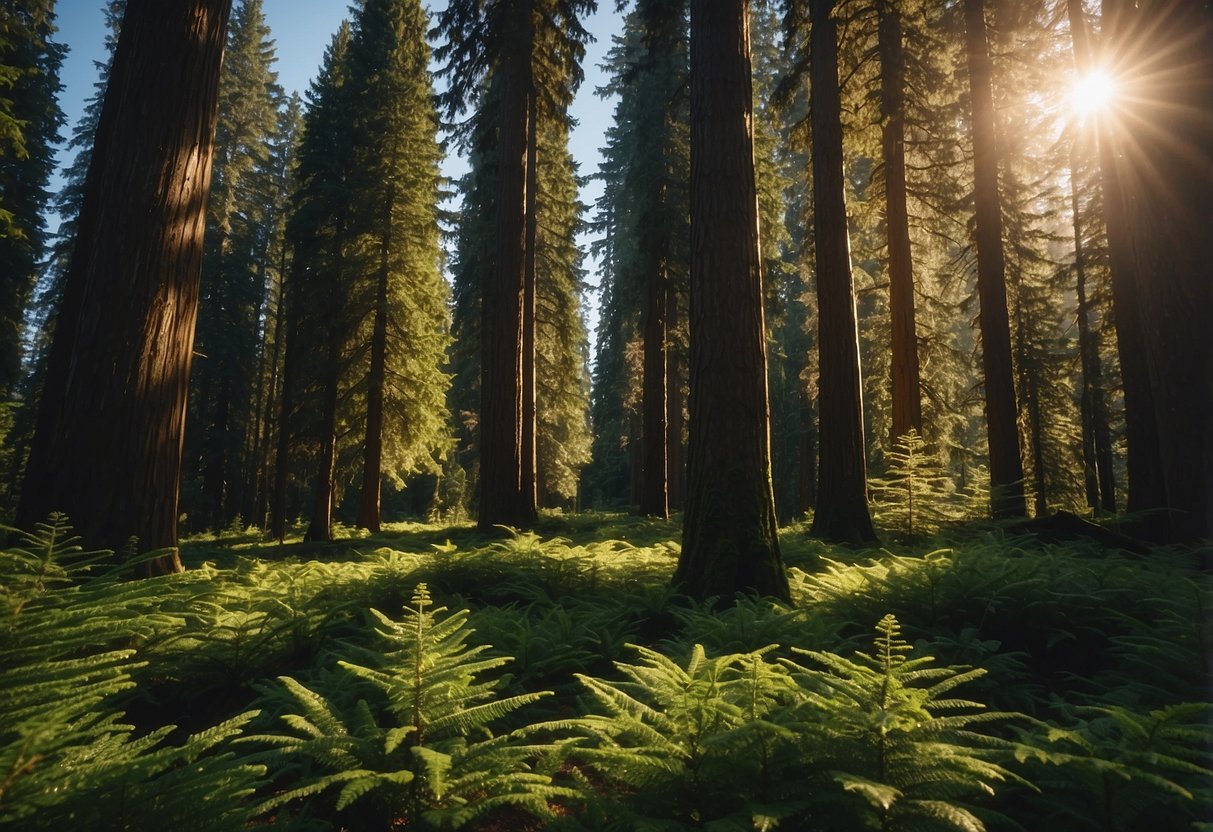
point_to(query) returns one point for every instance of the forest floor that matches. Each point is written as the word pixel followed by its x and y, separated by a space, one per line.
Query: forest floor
pixel 431 676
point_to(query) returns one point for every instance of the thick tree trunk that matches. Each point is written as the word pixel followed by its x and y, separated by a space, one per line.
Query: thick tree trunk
pixel 1146 490
pixel 842 505
pixel 107 448
pixel 1165 169
pixel 1006 465
pixel 907 396
pixel 503 498
pixel 372 451
pixel 730 536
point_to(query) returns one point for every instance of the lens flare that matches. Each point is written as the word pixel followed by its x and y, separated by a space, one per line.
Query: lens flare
pixel 1092 93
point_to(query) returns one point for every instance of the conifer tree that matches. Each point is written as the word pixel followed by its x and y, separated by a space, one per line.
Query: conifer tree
pixel 107 448
pixel 643 216
pixel 67 203
pixel 534 47
pixel 30 120
pixel 1161 139
pixel 1006 465
pixel 906 393
pixel 317 293
pixel 730 536
pixel 277 173
pixel 842 508
pixel 561 360
pixel 234 270
pixel 397 287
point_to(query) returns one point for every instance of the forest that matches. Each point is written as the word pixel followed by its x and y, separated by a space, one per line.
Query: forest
pixel 845 463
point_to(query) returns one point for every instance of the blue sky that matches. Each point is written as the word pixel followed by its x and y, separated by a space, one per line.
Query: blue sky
pixel 302 29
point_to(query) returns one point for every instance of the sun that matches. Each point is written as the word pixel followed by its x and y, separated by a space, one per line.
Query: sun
pixel 1092 93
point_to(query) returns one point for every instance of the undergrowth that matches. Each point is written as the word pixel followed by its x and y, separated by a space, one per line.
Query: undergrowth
pixel 432 677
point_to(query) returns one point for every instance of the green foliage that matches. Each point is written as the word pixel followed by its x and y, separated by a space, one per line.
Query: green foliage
pixel 1121 768
pixel 705 742
pixel 756 715
pixel 918 495
pixel 67 757
pixel 907 754
pixel 436 763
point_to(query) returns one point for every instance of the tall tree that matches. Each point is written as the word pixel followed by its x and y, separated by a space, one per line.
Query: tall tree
pixel 30 119
pixel 1006 465
pixel 234 268
pixel 534 49
pixel 107 448
pixel 398 287
pixel 67 204
pixel 907 396
pixel 1162 145
pixel 1098 475
pixel 842 503
pixel 317 319
pixel 730 534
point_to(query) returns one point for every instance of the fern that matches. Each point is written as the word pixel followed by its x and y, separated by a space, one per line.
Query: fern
pixel 694 743
pixel 1121 769
pixel 418 746
pixel 904 753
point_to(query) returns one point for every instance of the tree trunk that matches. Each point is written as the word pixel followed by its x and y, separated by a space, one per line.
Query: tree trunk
pixel 372 452
pixel 1098 477
pixel 1165 170
pixel 842 504
pixel 1006 465
pixel 530 445
pixel 1146 490
pixel 503 499
pixel 290 361
pixel 654 494
pixel 730 534
pixel 907 396
pixel 263 467
pixel 321 525
pixel 107 448
pixel 216 480
pixel 676 469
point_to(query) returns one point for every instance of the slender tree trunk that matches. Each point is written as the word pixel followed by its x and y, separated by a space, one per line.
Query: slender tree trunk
pixel 530 447
pixel 730 533
pixel 676 469
pixel 807 468
pixel 271 430
pixel 321 525
pixel 1165 171
pixel 372 455
pixel 216 479
pixel 842 505
pixel 107 447
pixel 654 494
pixel 907 396
pixel 290 361
pixel 503 498
pixel 1006 465
pixel 1098 476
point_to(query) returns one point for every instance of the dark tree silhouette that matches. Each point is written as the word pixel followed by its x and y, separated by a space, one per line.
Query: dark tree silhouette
pixel 1006 465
